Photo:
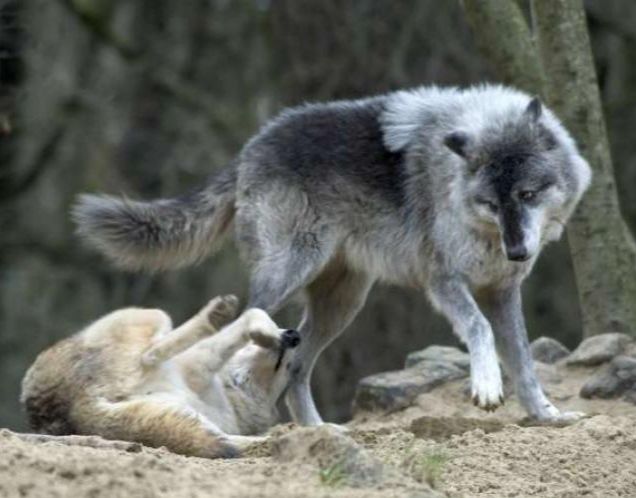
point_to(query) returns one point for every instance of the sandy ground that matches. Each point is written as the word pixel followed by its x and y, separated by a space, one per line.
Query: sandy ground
pixel 443 446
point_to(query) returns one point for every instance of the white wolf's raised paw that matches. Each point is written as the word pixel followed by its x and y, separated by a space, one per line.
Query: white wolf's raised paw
pixel 487 388
pixel 221 310
pixel 261 328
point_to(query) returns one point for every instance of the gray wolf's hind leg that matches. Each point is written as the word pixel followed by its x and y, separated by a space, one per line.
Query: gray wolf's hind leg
pixel 334 299
pixel 277 275
pixel 214 316
pixel 504 310
pixel 452 297
pixel 282 272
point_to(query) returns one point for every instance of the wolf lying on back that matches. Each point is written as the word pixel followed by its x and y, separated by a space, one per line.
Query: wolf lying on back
pixel 449 190
pixel 199 390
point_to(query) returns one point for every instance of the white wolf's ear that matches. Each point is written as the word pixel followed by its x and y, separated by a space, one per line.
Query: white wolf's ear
pixel 534 110
pixel 458 142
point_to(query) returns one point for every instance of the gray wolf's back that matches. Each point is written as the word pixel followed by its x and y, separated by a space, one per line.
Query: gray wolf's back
pixel 335 143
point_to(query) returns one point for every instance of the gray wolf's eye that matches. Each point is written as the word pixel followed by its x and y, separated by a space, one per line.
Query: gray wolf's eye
pixel 527 195
pixel 485 202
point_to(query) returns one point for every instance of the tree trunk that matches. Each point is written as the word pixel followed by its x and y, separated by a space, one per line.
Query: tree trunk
pixel 602 249
pixel 502 34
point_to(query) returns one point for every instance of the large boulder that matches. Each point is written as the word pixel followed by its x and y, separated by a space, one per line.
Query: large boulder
pixel 446 354
pixel 599 349
pixel 390 391
pixel 616 379
pixel 548 350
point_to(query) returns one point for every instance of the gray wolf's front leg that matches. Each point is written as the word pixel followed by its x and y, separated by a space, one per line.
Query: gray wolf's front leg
pixel 504 310
pixel 452 298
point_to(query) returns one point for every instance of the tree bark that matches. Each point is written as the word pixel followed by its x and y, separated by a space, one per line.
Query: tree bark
pixel 502 34
pixel 602 249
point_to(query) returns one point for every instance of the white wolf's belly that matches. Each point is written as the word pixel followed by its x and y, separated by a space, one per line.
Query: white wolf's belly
pixel 211 405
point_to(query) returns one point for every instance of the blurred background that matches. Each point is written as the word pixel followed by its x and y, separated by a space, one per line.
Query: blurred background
pixel 148 98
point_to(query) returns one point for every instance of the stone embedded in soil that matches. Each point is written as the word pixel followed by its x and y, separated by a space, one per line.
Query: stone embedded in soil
pixel 390 391
pixel 599 349
pixel 442 428
pixel 548 350
pixel 336 455
pixel 616 379
pixel 439 353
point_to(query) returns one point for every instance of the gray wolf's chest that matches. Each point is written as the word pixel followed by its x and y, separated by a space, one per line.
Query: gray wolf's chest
pixel 476 255
pixel 409 257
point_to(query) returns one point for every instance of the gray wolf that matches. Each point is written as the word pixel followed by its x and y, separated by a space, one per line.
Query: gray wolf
pixel 201 389
pixel 451 191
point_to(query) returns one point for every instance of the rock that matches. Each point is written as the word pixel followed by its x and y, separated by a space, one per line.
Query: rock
pixel 390 391
pixel 548 374
pixel 599 349
pixel 439 353
pixel 338 457
pixel 548 350
pixel 442 428
pixel 341 461
pixel 616 379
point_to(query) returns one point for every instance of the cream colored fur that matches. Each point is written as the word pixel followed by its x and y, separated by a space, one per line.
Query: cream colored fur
pixel 202 389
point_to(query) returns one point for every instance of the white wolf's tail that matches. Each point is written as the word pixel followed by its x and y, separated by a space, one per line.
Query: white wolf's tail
pixel 161 234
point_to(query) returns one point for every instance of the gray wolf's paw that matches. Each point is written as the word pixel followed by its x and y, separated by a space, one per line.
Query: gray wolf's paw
pixel 487 387
pixel 221 310
pixel 337 427
pixel 558 418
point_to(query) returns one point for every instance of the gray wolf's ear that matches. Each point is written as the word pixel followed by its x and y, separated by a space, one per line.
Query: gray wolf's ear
pixel 534 109
pixel 458 142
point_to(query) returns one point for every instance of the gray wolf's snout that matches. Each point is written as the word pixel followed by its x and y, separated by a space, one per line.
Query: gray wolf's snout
pixel 517 252
pixel 290 338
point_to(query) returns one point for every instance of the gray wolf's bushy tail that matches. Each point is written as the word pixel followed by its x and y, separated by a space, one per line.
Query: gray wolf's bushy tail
pixel 161 234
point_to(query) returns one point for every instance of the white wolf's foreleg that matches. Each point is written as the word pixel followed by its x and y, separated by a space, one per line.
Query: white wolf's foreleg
pixel 452 298
pixel 504 309
pixel 213 352
pixel 218 312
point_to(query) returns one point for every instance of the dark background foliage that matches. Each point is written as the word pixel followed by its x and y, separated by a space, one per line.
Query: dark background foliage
pixel 148 98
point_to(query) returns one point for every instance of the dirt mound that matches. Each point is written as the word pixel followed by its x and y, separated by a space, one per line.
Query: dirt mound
pixel 439 446
pixel 305 462
pixel 439 429
pixel 594 457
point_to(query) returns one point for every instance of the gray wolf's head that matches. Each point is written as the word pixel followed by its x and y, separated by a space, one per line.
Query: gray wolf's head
pixel 522 177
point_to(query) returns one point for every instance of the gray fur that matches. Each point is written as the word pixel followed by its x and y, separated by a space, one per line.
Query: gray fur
pixel 453 191
pixel 157 235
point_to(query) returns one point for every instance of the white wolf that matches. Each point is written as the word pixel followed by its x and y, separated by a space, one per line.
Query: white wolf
pixel 202 389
